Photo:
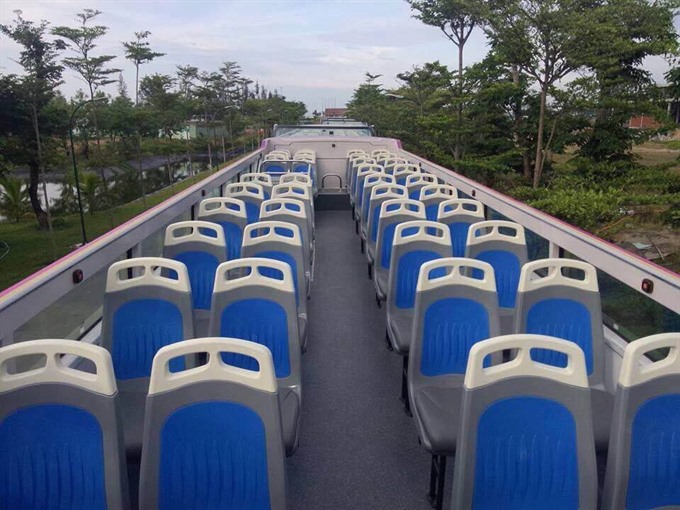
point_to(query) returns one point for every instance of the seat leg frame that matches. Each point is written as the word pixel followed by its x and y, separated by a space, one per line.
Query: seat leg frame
pixel 404 386
pixel 437 479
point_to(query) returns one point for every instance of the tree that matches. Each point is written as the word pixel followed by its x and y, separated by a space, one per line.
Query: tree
pixel 540 37
pixel 43 75
pixel 456 19
pixel 14 198
pixel 93 70
pixel 673 78
pixel 90 184
pixel 139 52
pixel 621 35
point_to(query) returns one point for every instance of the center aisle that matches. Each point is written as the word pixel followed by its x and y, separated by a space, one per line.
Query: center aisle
pixel 358 450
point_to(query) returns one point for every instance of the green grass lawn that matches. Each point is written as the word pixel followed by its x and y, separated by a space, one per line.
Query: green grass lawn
pixel 31 248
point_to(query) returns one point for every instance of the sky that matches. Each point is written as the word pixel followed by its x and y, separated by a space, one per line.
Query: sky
pixel 315 51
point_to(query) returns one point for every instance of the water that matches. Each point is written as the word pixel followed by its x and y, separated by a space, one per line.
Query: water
pixel 126 185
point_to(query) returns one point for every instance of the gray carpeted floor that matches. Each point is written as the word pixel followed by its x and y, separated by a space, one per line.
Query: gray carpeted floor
pixel 358 450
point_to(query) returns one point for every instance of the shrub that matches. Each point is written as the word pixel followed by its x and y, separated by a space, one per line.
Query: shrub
pixel 585 208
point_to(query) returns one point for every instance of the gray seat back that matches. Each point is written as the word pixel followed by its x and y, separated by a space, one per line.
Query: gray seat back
pixel 61 441
pixel 503 245
pixel 354 163
pixel 282 241
pixel 415 242
pixel 290 210
pixel 298 191
pixel 459 214
pixel 212 434
pixel 456 306
pixel 362 173
pixel 392 213
pixel 363 209
pixel 201 247
pixel 379 194
pixel 526 433
pixel 389 164
pixel 230 213
pixel 147 304
pixel 403 170
pixel 643 461
pixel 263 179
pixel 252 195
pixel 254 300
pixel 433 195
pixel 560 298
pixel 418 181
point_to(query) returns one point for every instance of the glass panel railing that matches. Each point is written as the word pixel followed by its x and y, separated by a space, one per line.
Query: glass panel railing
pixel 537 246
pixel 629 313
pixel 152 246
pixel 72 315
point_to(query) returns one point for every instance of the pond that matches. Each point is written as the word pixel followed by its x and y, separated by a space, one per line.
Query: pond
pixel 126 186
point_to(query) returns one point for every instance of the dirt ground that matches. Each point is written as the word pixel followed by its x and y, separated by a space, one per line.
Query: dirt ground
pixel 660 244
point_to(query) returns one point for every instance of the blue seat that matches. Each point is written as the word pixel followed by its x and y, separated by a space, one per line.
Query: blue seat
pixel 403 170
pixel 60 441
pixel 301 179
pixel 353 166
pixel 526 437
pixel 305 164
pixel 363 172
pixel 370 182
pixel 264 180
pixel 299 191
pixel 352 155
pixel 560 298
pixel 230 214
pixel 360 168
pixel 392 213
pixel 147 304
pixel 390 163
pixel 379 194
pixel 456 306
pixel 643 466
pixel 292 211
pixel 281 241
pixel 459 214
pixel 254 300
pixel 418 181
pixel 200 246
pixel 433 195
pixel 213 434
pixel 503 245
pixel 252 195
pixel 415 242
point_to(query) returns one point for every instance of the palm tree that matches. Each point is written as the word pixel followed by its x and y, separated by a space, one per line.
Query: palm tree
pixel 14 198
pixel 89 187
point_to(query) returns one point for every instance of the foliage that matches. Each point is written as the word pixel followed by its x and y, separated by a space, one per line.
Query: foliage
pixel 29 97
pixel 82 40
pixel 139 52
pixel 90 190
pixel 14 198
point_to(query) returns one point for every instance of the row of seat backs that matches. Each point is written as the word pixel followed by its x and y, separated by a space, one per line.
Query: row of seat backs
pixel 500 243
pixel 279 165
pixel 400 171
pixel 201 246
pixel 457 213
pixel 147 305
pixel 523 398
pixel 393 165
pixel 256 188
pixel 547 287
pixel 61 444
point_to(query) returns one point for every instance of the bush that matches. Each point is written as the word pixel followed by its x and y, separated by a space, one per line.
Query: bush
pixel 585 208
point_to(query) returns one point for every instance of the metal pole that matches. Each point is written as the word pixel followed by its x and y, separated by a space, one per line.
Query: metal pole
pixel 75 166
pixel 224 151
